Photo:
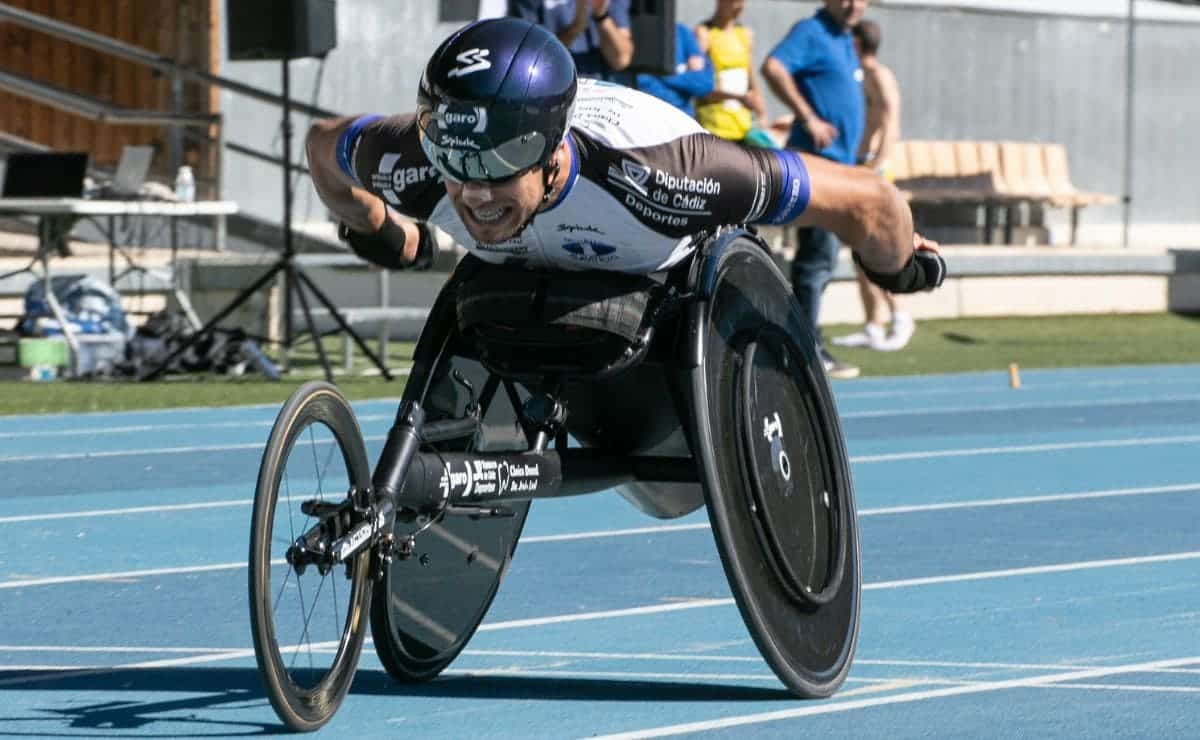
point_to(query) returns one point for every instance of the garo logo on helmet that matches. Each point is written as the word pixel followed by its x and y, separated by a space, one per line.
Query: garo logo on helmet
pixel 472 60
pixel 475 118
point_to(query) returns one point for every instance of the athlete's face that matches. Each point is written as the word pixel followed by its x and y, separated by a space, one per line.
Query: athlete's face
pixel 846 12
pixel 496 211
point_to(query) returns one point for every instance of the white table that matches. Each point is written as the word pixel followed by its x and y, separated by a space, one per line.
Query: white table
pixel 56 216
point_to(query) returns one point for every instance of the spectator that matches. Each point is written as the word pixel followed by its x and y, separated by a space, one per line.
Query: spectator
pixel 815 71
pixel 736 103
pixel 693 76
pixel 595 31
pixel 879 140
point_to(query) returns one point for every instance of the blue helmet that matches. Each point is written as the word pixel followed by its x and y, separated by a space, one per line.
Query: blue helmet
pixel 495 100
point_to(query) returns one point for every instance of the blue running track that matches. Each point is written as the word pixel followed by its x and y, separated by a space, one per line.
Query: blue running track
pixel 1031 566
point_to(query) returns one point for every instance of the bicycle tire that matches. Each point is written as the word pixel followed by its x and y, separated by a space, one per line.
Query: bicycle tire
pixel 306 707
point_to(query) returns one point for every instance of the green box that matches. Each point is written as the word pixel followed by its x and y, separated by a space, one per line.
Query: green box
pixel 33 351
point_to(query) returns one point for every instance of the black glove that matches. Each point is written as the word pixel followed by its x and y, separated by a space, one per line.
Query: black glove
pixel 925 270
pixel 385 247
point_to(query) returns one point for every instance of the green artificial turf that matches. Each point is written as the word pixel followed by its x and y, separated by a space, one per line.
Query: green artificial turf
pixel 938 347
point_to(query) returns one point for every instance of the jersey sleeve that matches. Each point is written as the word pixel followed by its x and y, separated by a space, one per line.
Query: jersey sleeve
pixel 698 182
pixel 384 155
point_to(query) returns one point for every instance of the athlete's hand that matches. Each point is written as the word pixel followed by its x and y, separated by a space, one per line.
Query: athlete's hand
pixel 823 133
pixel 599 7
pixel 927 256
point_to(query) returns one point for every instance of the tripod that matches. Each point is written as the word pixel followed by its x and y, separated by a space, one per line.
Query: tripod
pixel 294 278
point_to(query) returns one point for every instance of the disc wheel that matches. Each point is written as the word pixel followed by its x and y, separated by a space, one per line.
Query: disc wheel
pixel 776 474
pixel 427 607
pixel 308 626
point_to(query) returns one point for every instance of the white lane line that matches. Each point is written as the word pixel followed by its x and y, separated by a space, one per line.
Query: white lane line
pixel 176 411
pixel 636 611
pixel 155 451
pixel 836 705
pixel 124 575
pixel 1033 406
pixel 930 387
pixel 571 536
pixel 677 657
pixel 223 653
pixel 1021 449
pixel 107 649
pixel 861 459
pixel 981 575
pixel 157 428
pixel 1019 500
pixel 1032 570
pixel 621 675
pixel 91 513
pixel 370 418
pixel 1127 687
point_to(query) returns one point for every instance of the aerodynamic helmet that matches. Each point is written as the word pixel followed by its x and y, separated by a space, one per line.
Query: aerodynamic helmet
pixel 495 100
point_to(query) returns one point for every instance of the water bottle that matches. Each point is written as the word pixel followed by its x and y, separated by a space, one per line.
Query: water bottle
pixel 185 185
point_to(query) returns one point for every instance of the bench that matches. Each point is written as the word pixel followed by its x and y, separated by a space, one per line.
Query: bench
pixel 990 174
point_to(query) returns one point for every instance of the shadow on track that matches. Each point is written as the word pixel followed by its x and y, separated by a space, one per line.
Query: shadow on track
pixel 223 687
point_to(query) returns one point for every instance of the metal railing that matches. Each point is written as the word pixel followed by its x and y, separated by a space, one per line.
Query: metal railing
pixel 96 109
pixel 107 45
pixel 106 112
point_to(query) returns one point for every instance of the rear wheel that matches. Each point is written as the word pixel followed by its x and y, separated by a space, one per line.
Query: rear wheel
pixel 308 622
pixel 776 475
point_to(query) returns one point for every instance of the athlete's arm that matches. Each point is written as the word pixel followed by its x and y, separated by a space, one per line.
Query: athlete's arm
pixel 360 210
pixel 870 216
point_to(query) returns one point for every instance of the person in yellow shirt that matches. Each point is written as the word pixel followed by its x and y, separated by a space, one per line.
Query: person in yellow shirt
pixel 735 109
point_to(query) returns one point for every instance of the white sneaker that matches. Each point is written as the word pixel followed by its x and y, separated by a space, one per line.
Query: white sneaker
pixel 871 335
pixel 903 328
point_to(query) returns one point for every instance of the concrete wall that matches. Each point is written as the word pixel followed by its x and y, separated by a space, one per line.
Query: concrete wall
pixel 976 72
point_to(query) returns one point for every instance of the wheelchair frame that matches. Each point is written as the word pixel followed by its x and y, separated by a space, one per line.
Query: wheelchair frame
pixel 420 488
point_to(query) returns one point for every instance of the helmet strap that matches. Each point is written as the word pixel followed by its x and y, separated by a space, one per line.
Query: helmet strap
pixel 549 172
pixel 548 175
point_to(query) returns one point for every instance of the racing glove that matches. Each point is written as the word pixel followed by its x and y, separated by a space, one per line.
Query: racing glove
pixel 385 247
pixel 925 270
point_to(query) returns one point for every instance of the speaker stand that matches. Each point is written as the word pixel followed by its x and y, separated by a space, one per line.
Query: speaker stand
pixel 294 278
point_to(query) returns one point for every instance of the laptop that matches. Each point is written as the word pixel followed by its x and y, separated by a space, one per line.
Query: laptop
pixel 131 173
pixel 45 175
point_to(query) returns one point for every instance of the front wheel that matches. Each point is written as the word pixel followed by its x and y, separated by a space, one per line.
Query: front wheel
pixel 308 622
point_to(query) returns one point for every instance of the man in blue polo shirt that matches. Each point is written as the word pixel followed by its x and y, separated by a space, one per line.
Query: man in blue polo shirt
pixel 814 70
pixel 595 31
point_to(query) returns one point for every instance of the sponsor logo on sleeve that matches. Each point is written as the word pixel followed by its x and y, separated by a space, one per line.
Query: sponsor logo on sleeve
pixel 661 197
pixel 392 179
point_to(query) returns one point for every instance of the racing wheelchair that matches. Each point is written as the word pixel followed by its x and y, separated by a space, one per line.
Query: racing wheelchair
pixel 696 387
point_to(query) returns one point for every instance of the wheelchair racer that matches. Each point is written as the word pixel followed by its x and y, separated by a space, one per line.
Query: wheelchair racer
pixel 521 162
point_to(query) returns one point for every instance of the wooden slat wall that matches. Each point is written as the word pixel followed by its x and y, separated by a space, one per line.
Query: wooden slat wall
pixel 184 29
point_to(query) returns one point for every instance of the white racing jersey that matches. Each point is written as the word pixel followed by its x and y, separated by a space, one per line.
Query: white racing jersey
pixel 645 179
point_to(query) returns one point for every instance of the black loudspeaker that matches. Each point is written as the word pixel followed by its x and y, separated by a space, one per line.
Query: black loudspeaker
pixel 280 29
pixel 653 25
